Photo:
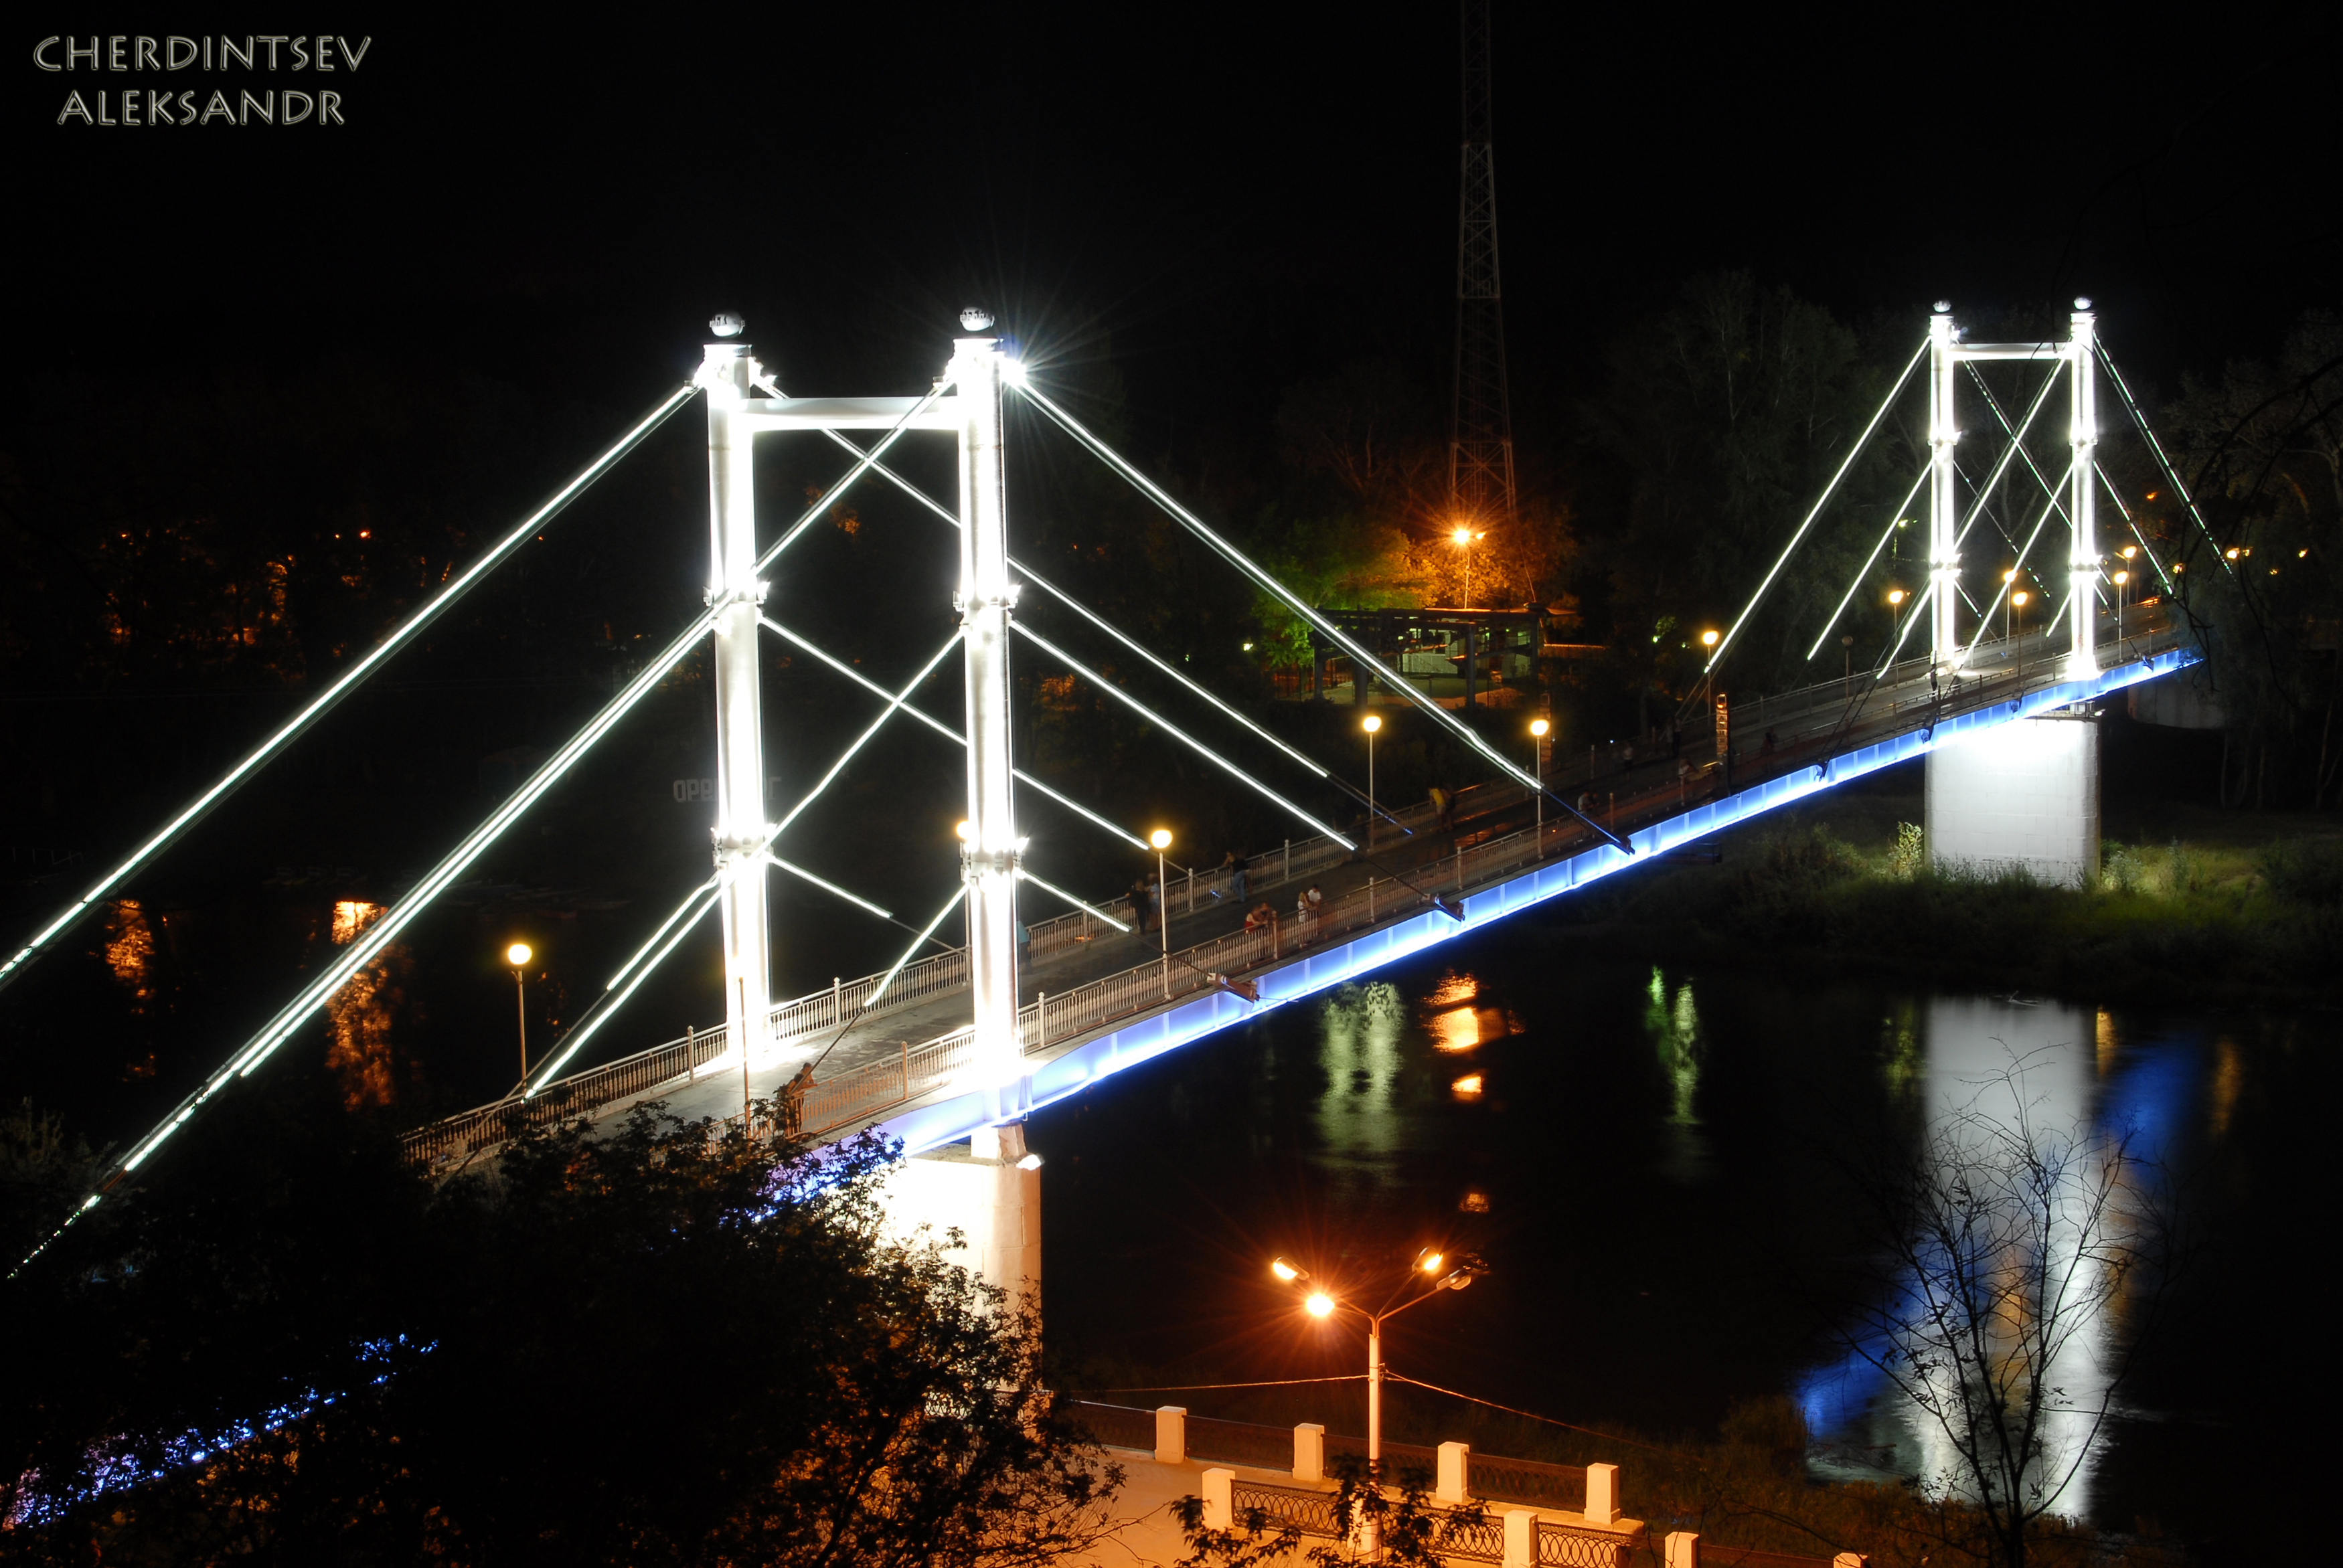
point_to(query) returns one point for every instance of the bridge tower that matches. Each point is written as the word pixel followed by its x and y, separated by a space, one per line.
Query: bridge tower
pixel 2025 795
pixel 729 373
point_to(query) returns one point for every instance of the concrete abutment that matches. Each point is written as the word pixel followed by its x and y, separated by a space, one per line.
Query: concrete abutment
pixel 2022 795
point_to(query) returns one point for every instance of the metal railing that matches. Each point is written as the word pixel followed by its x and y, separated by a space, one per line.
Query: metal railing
pixel 1526 1481
pixel 1116 1425
pixel 1241 1442
pixel 1277 1507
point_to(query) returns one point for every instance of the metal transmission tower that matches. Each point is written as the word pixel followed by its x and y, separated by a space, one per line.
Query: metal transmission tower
pixel 1481 426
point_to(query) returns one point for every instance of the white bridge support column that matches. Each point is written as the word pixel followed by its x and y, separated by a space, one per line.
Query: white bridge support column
pixel 2083 558
pixel 1944 497
pixel 726 373
pixel 986 596
pixel 2021 796
pixel 989 1192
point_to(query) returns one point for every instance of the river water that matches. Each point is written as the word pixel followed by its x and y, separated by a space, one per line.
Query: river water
pixel 1665 1170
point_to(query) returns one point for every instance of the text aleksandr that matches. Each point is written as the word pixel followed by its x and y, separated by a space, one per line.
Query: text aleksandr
pixel 128 53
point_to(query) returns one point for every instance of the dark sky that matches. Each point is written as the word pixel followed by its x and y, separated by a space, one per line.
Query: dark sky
pixel 1228 196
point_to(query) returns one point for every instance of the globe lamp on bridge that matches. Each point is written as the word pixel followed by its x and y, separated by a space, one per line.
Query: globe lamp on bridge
pixel 1371 723
pixel 1538 731
pixel 1161 840
pixel 1445 1272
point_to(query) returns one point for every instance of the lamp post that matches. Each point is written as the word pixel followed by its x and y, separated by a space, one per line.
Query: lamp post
pixel 1846 678
pixel 1371 723
pixel 1463 537
pixel 1538 727
pixel 518 955
pixel 1443 1271
pixel 1708 670
pixel 1161 840
pixel 2122 592
pixel 2016 602
pixel 2009 580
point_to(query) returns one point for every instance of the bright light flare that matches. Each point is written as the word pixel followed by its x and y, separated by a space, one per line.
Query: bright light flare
pixel 1538 727
pixel 1708 639
pixel 1429 1260
pixel 1284 1270
pixel 1371 723
pixel 1160 838
pixel 1319 1305
pixel 518 954
pixel 1896 596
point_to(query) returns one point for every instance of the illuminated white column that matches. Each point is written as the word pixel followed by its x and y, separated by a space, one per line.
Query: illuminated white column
pixel 741 830
pixel 1944 499
pixel 2083 560
pixel 986 596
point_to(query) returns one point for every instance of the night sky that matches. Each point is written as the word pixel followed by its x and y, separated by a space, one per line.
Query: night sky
pixel 1222 197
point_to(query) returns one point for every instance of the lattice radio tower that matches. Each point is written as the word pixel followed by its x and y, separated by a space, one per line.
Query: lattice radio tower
pixel 1481 425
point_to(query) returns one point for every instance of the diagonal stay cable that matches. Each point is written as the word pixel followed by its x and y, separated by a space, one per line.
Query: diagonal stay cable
pixel 1127 640
pixel 1087 908
pixel 1307 612
pixel 940 728
pixel 323 702
pixel 1109 687
pixel 1994 404
pixel 2171 474
pixel 369 944
pixel 894 701
pixel 687 914
pixel 1816 510
pixel 2010 582
pixel 1894 520
pixel 2132 524
pixel 2001 465
pixel 888 979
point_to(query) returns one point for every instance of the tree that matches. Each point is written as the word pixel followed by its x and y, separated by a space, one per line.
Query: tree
pixel 1401 1523
pixel 652 1346
pixel 2011 1249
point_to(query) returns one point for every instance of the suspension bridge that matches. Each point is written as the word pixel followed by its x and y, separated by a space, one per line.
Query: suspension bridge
pixel 964 1043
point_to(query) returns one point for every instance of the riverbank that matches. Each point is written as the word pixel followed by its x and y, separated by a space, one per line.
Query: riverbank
pixel 2192 904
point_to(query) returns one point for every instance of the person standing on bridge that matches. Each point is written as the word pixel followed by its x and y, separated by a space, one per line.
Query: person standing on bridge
pixel 1234 869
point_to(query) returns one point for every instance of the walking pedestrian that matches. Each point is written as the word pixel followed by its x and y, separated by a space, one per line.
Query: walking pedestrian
pixel 1439 807
pixel 1233 868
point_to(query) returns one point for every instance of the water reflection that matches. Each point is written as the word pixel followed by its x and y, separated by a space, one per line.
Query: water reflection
pixel 1359 1029
pixel 359 1014
pixel 1994 1074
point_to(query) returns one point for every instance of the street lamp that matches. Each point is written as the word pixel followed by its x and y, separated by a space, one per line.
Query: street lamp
pixel 1538 727
pixel 2121 593
pixel 1443 1271
pixel 518 955
pixel 1371 723
pixel 1161 840
pixel 1463 539
pixel 2017 602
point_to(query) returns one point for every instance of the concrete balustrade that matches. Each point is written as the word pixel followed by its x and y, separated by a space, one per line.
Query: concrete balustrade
pixel 1520 1537
pixel 1448 1485
pixel 1682 1550
pixel 1220 1509
pixel 1172 1434
pixel 1602 1494
pixel 1310 1452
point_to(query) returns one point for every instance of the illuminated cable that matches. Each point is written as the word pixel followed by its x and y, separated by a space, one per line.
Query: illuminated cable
pixel 2001 465
pixel 2171 475
pixel 2116 497
pixel 940 728
pixel 828 497
pixel 692 911
pixel 1309 613
pixel 228 782
pixel 829 886
pixel 1103 684
pixel 369 944
pixel 2009 582
pixel 1116 632
pixel 1895 519
pixel 689 899
pixel 888 979
pixel 1025 875
pixel 1828 490
pixel 1994 404
pixel 1918 607
pixel 894 701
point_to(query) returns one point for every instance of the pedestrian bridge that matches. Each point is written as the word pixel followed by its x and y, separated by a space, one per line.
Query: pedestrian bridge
pixel 1096 1001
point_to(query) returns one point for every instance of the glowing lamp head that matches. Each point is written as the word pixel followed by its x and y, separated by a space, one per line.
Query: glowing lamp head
pixel 1371 723
pixel 1461 537
pixel 2122 578
pixel 1160 838
pixel 962 831
pixel 975 318
pixel 1944 307
pixel 726 324
pixel 1286 1270
pixel 2019 599
pixel 1708 639
pixel 518 954
pixel 1429 1261
pixel 1538 727
pixel 1319 1305
pixel 2232 552
pixel 2130 551
pixel 1896 596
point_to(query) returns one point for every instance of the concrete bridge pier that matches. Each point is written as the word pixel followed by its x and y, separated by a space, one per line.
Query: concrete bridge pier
pixel 2020 796
pixel 989 1189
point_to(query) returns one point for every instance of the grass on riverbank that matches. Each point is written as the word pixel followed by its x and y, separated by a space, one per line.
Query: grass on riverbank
pixel 2230 915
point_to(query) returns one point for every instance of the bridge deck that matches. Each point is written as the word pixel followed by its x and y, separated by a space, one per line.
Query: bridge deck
pixel 1099 999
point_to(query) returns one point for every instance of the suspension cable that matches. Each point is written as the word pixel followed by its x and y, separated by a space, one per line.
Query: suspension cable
pixel 688 915
pixel 894 701
pixel 2010 582
pixel 318 707
pixel 2171 474
pixel 1894 520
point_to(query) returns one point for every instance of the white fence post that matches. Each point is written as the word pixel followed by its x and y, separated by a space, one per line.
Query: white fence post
pixel 1172 1434
pixel 1520 1537
pixel 1601 1491
pixel 1454 1460
pixel 1682 1550
pixel 1309 1452
pixel 1219 1510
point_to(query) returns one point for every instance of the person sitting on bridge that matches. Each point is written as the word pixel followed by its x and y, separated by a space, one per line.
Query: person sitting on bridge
pixel 1260 917
pixel 793 1099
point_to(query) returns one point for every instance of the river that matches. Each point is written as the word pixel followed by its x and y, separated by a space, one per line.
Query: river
pixel 1665 1170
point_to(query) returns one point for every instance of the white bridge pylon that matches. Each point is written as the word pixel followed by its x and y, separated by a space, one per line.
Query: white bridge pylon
pixel 986 596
